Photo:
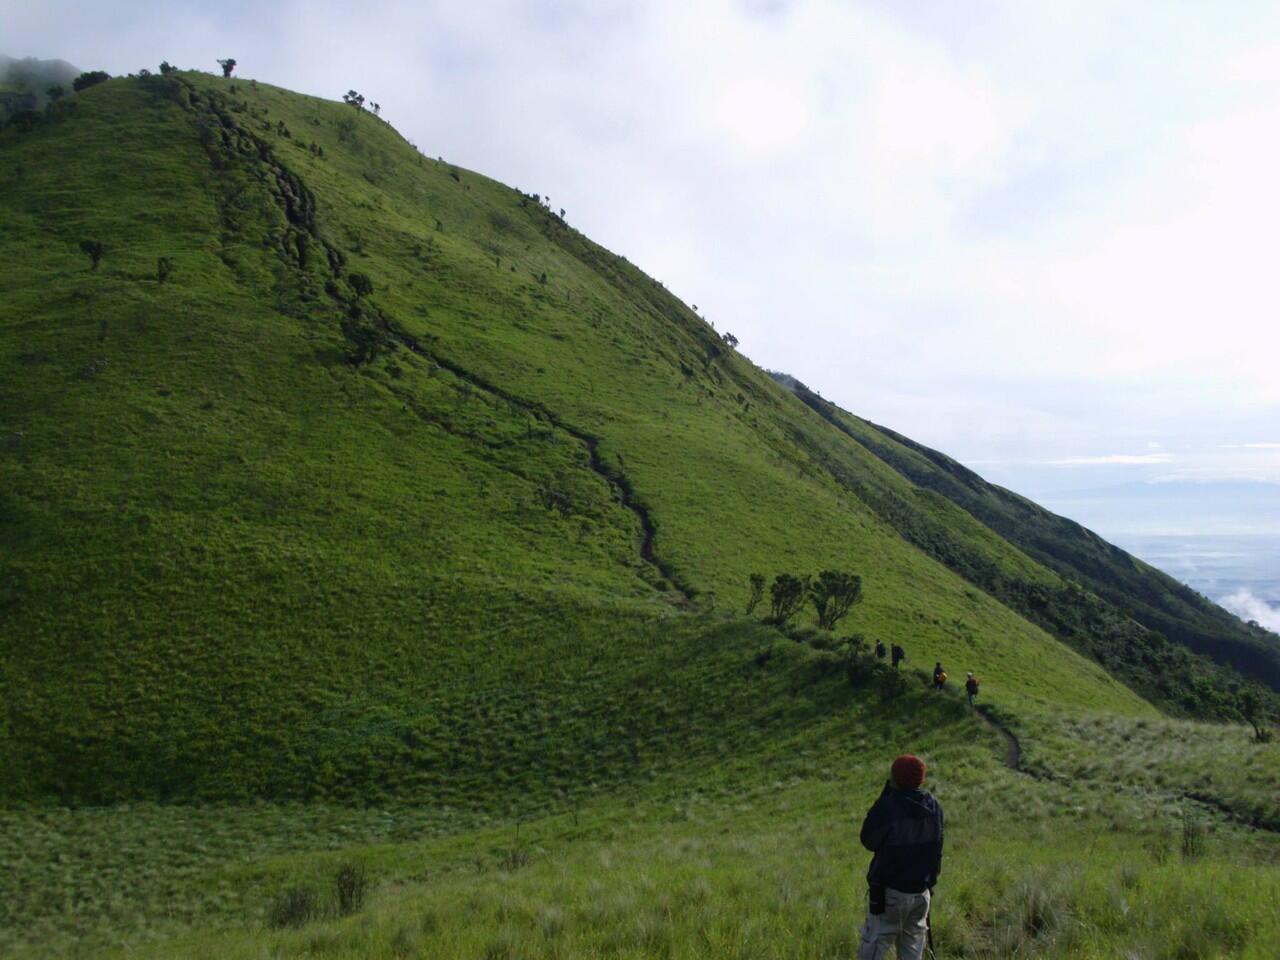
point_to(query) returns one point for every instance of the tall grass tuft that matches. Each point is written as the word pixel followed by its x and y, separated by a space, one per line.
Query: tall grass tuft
pixel 295 907
pixel 1192 836
pixel 351 885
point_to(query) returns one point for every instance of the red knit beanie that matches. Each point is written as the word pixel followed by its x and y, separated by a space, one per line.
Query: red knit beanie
pixel 907 772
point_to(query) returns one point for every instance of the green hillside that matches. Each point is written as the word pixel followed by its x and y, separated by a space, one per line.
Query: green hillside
pixel 345 479
pixel 209 502
pixel 1148 596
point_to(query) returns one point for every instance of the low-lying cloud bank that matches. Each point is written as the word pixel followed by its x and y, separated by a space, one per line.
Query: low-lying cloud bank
pixel 1244 604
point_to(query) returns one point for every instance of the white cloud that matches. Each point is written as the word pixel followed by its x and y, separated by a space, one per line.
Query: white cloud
pixel 1245 605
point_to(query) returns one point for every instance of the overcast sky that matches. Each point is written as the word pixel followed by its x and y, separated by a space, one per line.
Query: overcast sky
pixel 1038 236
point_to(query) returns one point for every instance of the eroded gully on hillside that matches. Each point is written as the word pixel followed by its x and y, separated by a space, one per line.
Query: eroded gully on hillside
pixel 232 141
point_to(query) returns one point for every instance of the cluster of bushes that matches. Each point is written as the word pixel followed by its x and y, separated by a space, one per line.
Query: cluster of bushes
pixel 833 593
pixel 299 906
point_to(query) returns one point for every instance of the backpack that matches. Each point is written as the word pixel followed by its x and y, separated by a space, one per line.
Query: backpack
pixel 941 677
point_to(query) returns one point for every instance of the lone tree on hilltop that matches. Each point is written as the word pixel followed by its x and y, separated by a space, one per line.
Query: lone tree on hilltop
pixel 757 592
pixel 833 592
pixel 786 597
pixel 94 250
pixel 730 339
pixel 167 68
pixel 355 99
pixel 227 66
pixel 89 79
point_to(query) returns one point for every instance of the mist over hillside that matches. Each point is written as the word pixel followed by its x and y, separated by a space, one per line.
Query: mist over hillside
pixel 31 73
pixel 25 82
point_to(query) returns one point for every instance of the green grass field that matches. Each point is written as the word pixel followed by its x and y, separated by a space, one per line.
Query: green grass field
pixel 751 853
pixel 445 578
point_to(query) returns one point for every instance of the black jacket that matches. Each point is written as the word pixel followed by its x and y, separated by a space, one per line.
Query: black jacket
pixel 904 831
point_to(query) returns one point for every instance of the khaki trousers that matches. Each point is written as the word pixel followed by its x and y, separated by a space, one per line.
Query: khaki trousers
pixel 903 924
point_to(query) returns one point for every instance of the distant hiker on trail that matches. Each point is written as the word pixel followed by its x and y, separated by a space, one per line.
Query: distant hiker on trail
pixel 939 676
pixel 880 651
pixel 971 688
pixel 903 829
pixel 898 655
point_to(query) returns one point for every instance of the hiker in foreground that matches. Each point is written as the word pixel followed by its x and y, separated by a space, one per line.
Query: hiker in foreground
pixel 898 654
pixel 880 650
pixel 971 688
pixel 903 829
pixel 939 676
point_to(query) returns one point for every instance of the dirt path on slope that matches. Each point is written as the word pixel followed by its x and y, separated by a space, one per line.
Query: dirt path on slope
pixel 1012 749
pixel 1013 760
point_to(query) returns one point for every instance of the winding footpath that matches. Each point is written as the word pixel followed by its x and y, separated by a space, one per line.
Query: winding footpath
pixel 1012 748
pixel 1013 760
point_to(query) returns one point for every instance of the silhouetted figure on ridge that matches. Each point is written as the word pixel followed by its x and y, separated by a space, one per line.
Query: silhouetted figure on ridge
pixel 898 655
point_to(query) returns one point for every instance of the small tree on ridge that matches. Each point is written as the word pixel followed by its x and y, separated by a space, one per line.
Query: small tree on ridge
pixel 786 597
pixel 88 79
pixel 833 592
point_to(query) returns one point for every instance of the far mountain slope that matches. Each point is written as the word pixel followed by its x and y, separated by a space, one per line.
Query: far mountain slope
pixel 1145 594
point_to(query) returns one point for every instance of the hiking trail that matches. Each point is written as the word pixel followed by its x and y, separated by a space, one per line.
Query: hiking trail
pixel 1013 749
pixel 1013 760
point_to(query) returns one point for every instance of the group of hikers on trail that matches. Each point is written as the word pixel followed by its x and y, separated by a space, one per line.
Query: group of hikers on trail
pixel 970 683
pixel 898 653
pixel 939 674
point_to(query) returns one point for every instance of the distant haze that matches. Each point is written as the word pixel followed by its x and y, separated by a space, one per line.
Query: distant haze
pixel 34 75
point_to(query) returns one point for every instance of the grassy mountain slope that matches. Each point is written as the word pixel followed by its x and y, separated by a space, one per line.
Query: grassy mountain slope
pixel 208 504
pixel 1138 600
pixel 443 574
